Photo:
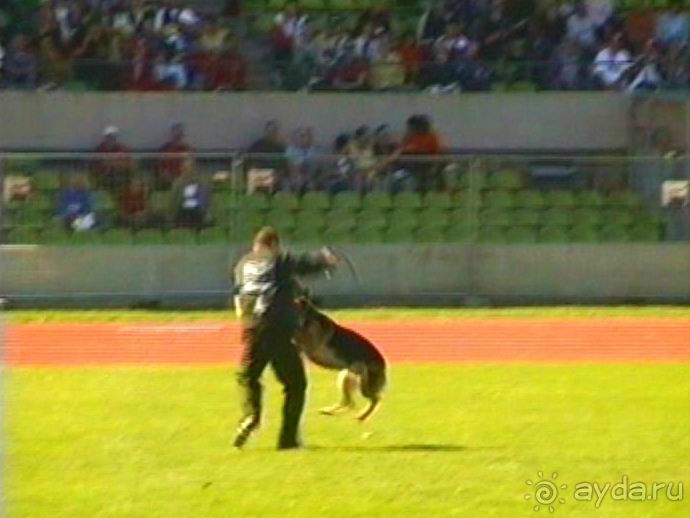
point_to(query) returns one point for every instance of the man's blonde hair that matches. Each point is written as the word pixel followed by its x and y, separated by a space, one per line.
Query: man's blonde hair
pixel 268 237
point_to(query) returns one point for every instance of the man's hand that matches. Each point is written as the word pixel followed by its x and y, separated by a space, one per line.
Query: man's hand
pixel 331 258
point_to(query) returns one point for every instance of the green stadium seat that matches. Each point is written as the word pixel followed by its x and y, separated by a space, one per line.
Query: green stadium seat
pixel 306 235
pixel 552 233
pixel 499 199
pixel 624 199
pixel 309 217
pixel 254 218
pixel 476 179
pixel 402 218
pixel 587 216
pixel 462 216
pixel 435 218
pixel 492 234
pixel 116 236
pixel 280 219
pixel 89 237
pixel 430 235
pixel 496 217
pixel 315 201
pixel 181 236
pixel 160 201
pixel 460 233
pixel 521 234
pixel 213 235
pixel 464 199
pixel 341 218
pixel 438 200
pixel 526 217
pixel 55 235
pixel 375 200
pixel 347 200
pixel 407 200
pixel 242 232
pixel 372 218
pixel 614 233
pixel 284 201
pixel 254 201
pixel 45 181
pixel 149 237
pixel 24 235
pixel 645 233
pixel 103 201
pixel 529 199
pixel 367 234
pixel 559 199
pixel 622 217
pixel 557 216
pixel 396 234
pixel 582 232
pixel 590 199
pixel 337 235
pixel 508 180
pixel 644 217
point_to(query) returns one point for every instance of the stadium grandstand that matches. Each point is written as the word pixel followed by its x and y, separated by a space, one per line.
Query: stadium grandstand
pixel 345 45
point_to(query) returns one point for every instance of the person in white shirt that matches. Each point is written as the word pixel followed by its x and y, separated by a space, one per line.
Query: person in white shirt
pixel 612 63
pixel 581 26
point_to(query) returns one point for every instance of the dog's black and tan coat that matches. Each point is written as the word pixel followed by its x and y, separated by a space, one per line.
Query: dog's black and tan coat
pixel 333 346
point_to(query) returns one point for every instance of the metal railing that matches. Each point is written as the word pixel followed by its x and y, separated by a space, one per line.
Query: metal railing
pixel 352 196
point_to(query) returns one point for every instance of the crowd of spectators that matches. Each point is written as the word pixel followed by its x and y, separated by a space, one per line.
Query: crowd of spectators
pixel 117 44
pixel 366 159
pixel 472 45
pixel 454 45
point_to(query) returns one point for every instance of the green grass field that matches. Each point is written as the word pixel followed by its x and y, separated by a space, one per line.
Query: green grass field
pixel 450 440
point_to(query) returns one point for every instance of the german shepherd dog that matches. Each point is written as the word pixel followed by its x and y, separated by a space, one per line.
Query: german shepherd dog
pixel 333 346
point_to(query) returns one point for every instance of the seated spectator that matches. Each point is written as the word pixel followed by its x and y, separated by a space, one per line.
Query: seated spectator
pixel 420 140
pixel 673 25
pixel 133 205
pixel 361 151
pixel 114 169
pixel 340 177
pixel 387 72
pixel 495 29
pixel 170 167
pixel 350 72
pixel 169 69
pixel 268 152
pixel 412 55
pixel 19 64
pixel 228 67
pixel 290 28
pixel 371 44
pixel 302 161
pixel 213 35
pixel 566 69
pixel 612 63
pixel 2 57
pixel 453 55
pixel 646 70
pixel 432 24
pixel 190 198
pixel 582 27
pixel 74 206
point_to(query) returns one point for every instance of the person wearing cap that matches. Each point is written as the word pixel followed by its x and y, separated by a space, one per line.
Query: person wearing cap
pixel 266 286
pixel 113 171
pixel 170 167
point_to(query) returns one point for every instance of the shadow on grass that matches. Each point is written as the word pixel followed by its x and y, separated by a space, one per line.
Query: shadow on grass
pixel 440 448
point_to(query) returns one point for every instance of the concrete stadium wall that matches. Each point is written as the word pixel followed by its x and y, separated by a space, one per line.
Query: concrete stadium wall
pixel 509 121
pixel 388 274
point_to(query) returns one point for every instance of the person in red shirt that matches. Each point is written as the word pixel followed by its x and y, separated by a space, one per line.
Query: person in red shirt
pixel 420 139
pixel 133 205
pixel 170 167
pixel 115 168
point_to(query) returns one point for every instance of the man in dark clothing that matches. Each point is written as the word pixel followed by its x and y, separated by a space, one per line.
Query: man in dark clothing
pixel 265 288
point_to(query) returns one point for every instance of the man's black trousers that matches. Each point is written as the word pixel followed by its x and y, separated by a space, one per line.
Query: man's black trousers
pixel 266 343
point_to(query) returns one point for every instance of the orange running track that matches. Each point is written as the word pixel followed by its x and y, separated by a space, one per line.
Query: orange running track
pixel 610 340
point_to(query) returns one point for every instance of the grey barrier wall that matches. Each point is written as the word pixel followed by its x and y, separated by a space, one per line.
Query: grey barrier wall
pixel 388 274
pixel 62 121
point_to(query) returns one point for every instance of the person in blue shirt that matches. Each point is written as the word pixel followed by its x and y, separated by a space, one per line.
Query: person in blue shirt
pixel 74 204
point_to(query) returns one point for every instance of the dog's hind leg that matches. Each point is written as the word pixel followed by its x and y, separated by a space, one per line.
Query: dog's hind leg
pixel 347 384
pixel 373 404
pixel 372 381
